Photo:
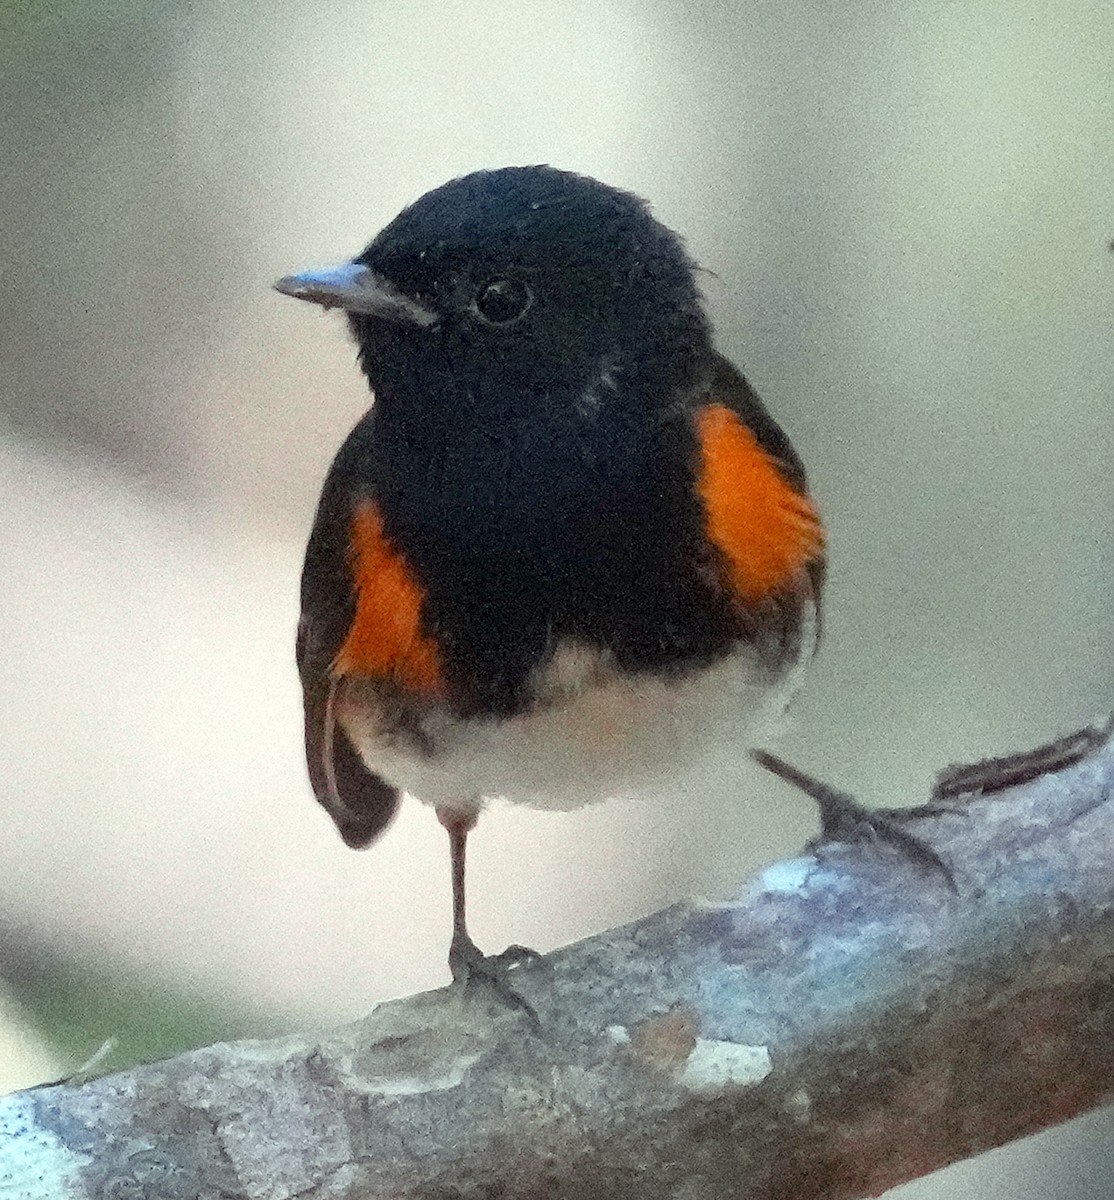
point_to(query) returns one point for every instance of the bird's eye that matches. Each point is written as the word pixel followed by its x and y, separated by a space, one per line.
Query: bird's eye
pixel 502 301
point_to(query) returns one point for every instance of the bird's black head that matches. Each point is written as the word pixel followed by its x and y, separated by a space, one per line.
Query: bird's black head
pixel 509 291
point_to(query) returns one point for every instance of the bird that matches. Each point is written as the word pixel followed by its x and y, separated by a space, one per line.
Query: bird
pixel 567 548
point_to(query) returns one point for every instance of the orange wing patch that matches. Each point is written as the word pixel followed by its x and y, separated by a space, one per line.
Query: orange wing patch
pixel 386 639
pixel 766 530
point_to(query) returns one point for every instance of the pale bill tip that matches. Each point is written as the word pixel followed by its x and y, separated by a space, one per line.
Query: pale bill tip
pixel 326 285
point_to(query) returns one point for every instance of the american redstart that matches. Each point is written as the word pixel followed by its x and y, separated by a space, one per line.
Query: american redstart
pixel 568 548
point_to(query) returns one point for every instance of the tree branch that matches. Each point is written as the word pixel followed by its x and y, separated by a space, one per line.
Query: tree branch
pixel 847 1024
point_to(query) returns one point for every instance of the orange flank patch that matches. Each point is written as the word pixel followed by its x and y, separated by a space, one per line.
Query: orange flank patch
pixel 765 529
pixel 386 639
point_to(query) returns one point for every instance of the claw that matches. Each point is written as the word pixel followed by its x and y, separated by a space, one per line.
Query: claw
pixel 470 965
pixel 844 819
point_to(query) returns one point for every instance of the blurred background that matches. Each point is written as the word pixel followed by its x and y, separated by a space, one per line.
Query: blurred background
pixel 908 212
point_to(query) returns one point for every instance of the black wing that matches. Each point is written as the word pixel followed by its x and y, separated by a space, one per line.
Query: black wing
pixel 359 801
pixel 730 388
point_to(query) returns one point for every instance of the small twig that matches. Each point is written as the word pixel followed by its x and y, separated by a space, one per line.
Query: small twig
pixel 88 1069
pixel 1010 770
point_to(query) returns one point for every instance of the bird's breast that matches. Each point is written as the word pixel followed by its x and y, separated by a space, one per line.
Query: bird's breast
pixel 599 732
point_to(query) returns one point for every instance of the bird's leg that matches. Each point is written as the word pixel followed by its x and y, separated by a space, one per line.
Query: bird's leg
pixel 463 952
pixel 467 961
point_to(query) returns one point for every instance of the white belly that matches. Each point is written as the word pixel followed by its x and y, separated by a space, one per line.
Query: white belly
pixel 595 735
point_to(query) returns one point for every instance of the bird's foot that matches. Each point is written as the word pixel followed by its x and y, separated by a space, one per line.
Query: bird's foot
pixel 844 819
pixel 469 965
